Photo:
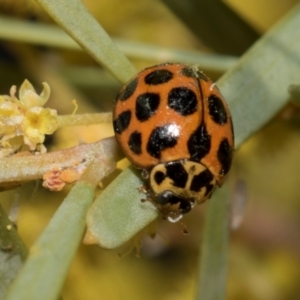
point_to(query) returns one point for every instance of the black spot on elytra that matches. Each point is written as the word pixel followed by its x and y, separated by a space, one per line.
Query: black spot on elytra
pixel 128 90
pixel 217 110
pixel 122 121
pixel 202 180
pixel 135 142
pixel 160 139
pixel 209 189
pixel 177 173
pixel 225 156
pixel 159 177
pixel 189 72
pixel 199 143
pixel 146 106
pixel 158 77
pixel 183 100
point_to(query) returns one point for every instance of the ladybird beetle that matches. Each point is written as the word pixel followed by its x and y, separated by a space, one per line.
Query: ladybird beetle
pixel 171 121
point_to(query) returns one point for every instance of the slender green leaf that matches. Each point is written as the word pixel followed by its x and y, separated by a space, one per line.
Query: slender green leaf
pixel 73 16
pixel 257 87
pixel 13 252
pixel 214 249
pixel 114 229
pixel 43 274
pixel 53 36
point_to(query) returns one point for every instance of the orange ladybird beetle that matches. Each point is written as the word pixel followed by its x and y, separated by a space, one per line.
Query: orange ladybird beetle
pixel 171 121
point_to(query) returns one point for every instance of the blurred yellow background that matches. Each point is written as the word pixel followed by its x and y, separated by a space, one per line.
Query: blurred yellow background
pixel 264 257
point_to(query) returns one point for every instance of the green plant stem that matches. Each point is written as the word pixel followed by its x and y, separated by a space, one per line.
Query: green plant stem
pixel 31 167
pixel 84 119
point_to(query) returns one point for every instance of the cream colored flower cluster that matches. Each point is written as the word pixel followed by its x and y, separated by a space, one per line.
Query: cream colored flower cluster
pixel 25 121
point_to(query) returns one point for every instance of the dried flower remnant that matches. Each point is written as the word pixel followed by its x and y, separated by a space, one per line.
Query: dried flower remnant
pixel 24 121
pixel 52 181
pixel 55 180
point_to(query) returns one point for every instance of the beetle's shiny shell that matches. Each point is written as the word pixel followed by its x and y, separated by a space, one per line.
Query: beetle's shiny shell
pixel 173 112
